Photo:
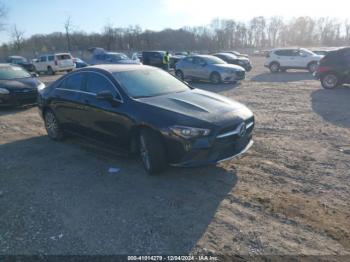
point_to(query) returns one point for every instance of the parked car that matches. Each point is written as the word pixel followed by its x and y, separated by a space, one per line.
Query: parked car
pixel 174 59
pixel 111 58
pixel 17 86
pixel 206 67
pixel 53 63
pixel 238 54
pixel 137 56
pixel 235 60
pixel 79 63
pixel 145 110
pixel 21 61
pixel 334 68
pixel 153 58
pixel 283 59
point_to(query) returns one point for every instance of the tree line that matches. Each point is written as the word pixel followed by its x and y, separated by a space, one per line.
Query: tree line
pixel 221 34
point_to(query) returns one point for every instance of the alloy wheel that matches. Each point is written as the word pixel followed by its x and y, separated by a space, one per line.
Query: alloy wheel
pixel 144 153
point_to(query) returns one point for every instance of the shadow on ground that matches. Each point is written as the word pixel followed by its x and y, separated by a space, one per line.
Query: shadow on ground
pixel 333 105
pixel 14 110
pixel 58 198
pixel 282 77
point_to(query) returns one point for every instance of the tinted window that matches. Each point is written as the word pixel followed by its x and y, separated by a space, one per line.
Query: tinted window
pixel 51 58
pixel 148 83
pixel 96 83
pixel 74 81
pixel 63 57
pixel 43 59
pixel 188 59
pixel 285 52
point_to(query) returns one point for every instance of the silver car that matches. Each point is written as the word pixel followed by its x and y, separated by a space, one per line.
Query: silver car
pixel 207 67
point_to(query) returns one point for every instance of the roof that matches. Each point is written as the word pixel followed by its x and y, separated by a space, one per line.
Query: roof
pixel 120 67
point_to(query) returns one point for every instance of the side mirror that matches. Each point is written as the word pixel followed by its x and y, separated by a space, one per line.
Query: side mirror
pixel 105 95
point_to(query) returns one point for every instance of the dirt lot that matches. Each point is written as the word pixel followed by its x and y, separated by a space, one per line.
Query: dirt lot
pixel 288 195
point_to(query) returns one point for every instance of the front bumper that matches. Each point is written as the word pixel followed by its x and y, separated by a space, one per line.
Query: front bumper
pixel 219 152
pixel 233 77
pixel 18 99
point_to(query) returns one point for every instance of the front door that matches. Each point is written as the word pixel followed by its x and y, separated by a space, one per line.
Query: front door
pixel 104 121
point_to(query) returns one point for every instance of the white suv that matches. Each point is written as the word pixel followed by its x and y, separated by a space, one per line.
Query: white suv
pixel 283 59
pixel 54 63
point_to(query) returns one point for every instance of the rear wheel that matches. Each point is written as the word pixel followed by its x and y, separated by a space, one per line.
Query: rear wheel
pixel 52 126
pixel 179 74
pixel 50 71
pixel 330 81
pixel 152 152
pixel 274 67
pixel 312 67
pixel 215 78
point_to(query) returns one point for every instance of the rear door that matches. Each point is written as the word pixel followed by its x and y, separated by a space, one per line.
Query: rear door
pixel 284 57
pixel 64 60
pixel 67 102
pixel 103 120
pixel 198 70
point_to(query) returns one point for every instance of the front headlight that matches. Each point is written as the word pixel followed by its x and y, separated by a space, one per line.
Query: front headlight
pixel 4 91
pixel 41 86
pixel 189 132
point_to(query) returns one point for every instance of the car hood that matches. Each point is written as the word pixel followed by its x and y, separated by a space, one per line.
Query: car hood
pixel 201 105
pixel 20 83
pixel 229 66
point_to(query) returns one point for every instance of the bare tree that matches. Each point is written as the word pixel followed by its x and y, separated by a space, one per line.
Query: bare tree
pixel 68 27
pixel 3 13
pixel 17 36
pixel 109 36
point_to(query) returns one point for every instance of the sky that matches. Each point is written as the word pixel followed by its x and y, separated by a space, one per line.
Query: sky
pixel 42 16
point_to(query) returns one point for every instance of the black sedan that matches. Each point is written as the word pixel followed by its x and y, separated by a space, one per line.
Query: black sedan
pixel 142 109
pixel 235 60
pixel 21 61
pixel 17 86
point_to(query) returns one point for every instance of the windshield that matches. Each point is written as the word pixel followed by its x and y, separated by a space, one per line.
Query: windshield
pixel 306 51
pixel 19 60
pixel 148 83
pixel 213 60
pixel 13 72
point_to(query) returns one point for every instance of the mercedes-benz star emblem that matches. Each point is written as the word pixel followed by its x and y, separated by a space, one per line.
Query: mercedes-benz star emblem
pixel 242 130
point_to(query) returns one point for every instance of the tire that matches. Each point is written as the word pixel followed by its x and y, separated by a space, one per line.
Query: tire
pixel 179 74
pixel 274 67
pixel 50 71
pixel 215 78
pixel 52 126
pixel 152 152
pixel 312 67
pixel 330 81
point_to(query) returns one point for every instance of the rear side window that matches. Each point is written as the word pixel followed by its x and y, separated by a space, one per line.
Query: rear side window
pixel 188 59
pixel 43 59
pixel 346 56
pixel 51 58
pixel 74 82
pixel 63 57
pixel 284 52
pixel 96 83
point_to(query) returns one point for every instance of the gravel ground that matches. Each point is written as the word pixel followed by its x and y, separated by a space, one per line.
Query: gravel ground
pixel 289 195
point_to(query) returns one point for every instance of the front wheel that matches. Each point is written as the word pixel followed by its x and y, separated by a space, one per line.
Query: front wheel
pixel 274 67
pixel 215 78
pixel 330 81
pixel 152 152
pixel 312 67
pixel 52 126
pixel 179 74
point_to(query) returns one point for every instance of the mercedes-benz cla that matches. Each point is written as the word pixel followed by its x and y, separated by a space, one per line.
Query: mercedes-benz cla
pixel 147 111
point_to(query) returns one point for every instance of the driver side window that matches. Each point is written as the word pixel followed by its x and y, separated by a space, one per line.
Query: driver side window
pixel 96 83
